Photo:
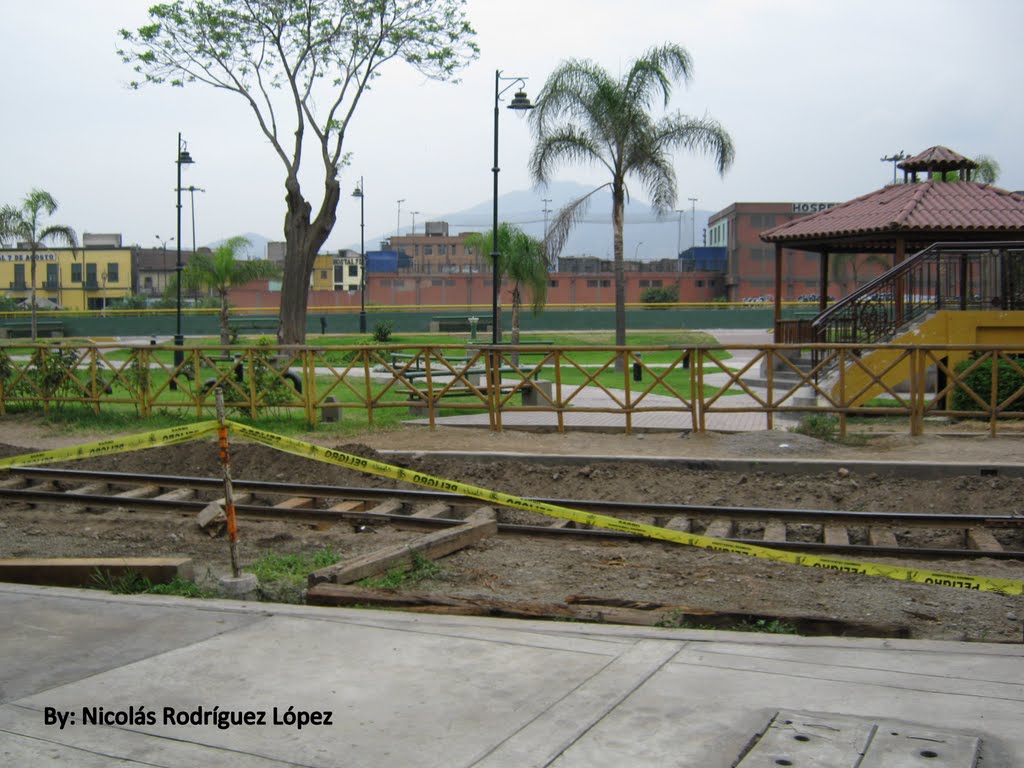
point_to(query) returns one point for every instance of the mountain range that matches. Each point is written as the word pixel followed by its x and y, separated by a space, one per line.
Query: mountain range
pixel 647 237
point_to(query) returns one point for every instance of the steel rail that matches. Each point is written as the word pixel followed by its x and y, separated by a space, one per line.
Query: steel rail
pixel 843 517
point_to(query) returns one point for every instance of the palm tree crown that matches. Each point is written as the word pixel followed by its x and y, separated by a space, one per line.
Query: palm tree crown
pixel 584 115
pixel 221 271
pixel 25 224
pixel 523 262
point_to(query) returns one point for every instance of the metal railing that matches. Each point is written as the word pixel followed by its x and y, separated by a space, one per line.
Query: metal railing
pixel 700 388
pixel 944 276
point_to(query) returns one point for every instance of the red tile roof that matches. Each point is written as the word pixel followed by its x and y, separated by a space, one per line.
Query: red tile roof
pixel 933 209
pixel 937 158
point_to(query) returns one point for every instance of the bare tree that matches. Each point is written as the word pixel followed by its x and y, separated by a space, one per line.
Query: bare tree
pixel 302 66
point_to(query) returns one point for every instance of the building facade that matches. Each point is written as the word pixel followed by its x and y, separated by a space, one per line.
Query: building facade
pixel 438 252
pixel 750 262
pixel 88 277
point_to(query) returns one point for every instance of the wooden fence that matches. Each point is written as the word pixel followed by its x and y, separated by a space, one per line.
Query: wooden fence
pixel 909 386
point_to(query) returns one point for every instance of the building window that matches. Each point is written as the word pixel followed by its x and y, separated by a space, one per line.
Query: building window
pixel 442 250
pixel 147 282
pixel 645 283
pixel 19 277
pixel 428 250
pixel 700 283
pixel 353 271
pixel 76 273
pixel 469 250
pixel 112 272
pixel 437 282
pixel 599 283
pixel 323 274
pixel 762 220
pixel 656 283
pixel 552 283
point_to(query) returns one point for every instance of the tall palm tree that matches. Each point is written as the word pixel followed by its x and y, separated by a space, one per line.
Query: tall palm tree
pixel 25 225
pixel 221 271
pixel 523 261
pixel 584 115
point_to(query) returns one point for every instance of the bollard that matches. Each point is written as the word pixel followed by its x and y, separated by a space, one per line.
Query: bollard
pixel 638 371
pixel 472 327
pixel 323 325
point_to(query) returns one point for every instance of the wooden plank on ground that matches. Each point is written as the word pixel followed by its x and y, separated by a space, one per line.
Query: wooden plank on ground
pixel 775 530
pixel 679 523
pixel 139 492
pixel 437 509
pixel 347 506
pixel 79 571
pixel 88 490
pixel 983 540
pixel 295 502
pixel 178 494
pixel 719 528
pixel 879 536
pixel 836 535
pixel 579 608
pixel 433 545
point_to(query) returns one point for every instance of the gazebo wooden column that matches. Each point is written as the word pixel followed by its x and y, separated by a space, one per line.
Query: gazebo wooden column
pixel 777 325
pixel 823 283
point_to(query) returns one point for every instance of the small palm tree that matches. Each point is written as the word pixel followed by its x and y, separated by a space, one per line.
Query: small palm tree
pixel 25 224
pixel 221 271
pixel 523 261
pixel 584 115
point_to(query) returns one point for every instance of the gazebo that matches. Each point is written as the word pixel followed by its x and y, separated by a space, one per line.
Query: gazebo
pixel 906 220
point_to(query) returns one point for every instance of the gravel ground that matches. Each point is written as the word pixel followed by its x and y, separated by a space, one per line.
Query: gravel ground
pixel 627 573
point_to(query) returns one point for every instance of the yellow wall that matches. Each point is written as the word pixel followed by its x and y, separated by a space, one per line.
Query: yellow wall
pixel 947 327
pixel 323 273
pixel 68 293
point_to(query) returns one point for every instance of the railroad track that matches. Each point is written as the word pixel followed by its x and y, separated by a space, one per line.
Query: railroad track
pixel 917 535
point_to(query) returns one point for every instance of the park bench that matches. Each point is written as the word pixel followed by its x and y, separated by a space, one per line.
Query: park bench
pixel 444 384
pixel 248 325
pixel 458 324
pixel 19 328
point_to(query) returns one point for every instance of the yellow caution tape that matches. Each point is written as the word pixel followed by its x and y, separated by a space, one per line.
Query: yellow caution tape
pixel 180 434
pixel 330 456
pixel 160 437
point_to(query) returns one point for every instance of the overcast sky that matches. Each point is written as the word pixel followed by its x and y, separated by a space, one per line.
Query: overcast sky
pixel 813 93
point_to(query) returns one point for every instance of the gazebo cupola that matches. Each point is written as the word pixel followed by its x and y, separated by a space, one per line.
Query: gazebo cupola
pixel 936 160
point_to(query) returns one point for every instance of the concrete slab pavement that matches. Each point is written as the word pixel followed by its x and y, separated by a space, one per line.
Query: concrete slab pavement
pixel 408 689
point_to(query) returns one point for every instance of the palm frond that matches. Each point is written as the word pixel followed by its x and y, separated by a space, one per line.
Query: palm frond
pixel 568 217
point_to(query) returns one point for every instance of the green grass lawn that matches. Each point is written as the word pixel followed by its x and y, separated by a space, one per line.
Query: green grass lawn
pixel 578 366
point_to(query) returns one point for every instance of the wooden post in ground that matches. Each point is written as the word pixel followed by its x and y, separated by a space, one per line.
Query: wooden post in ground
pixel 229 498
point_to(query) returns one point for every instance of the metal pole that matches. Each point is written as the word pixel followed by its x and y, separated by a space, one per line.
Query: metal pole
pixel 495 256
pixel 362 251
pixel 693 221
pixel 179 339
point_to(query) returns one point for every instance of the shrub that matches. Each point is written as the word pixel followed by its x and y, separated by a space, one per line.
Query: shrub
pixel 382 331
pixel 823 426
pixel 980 381
pixel 668 295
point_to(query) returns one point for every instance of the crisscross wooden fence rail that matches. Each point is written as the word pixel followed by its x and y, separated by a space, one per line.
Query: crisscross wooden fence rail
pixel 691 384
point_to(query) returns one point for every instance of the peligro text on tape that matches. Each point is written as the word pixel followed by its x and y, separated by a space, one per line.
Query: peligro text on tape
pixel 331 456
pixel 154 439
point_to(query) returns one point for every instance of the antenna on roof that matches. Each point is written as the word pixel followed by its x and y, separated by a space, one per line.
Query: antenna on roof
pixel 901 155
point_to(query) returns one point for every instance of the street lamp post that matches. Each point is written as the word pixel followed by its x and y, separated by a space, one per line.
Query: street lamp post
pixel 693 221
pixel 413 214
pixel 520 101
pixel 184 158
pixel 398 229
pixel 362 251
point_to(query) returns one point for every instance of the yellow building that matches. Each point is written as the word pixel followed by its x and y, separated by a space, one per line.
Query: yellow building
pixel 89 277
